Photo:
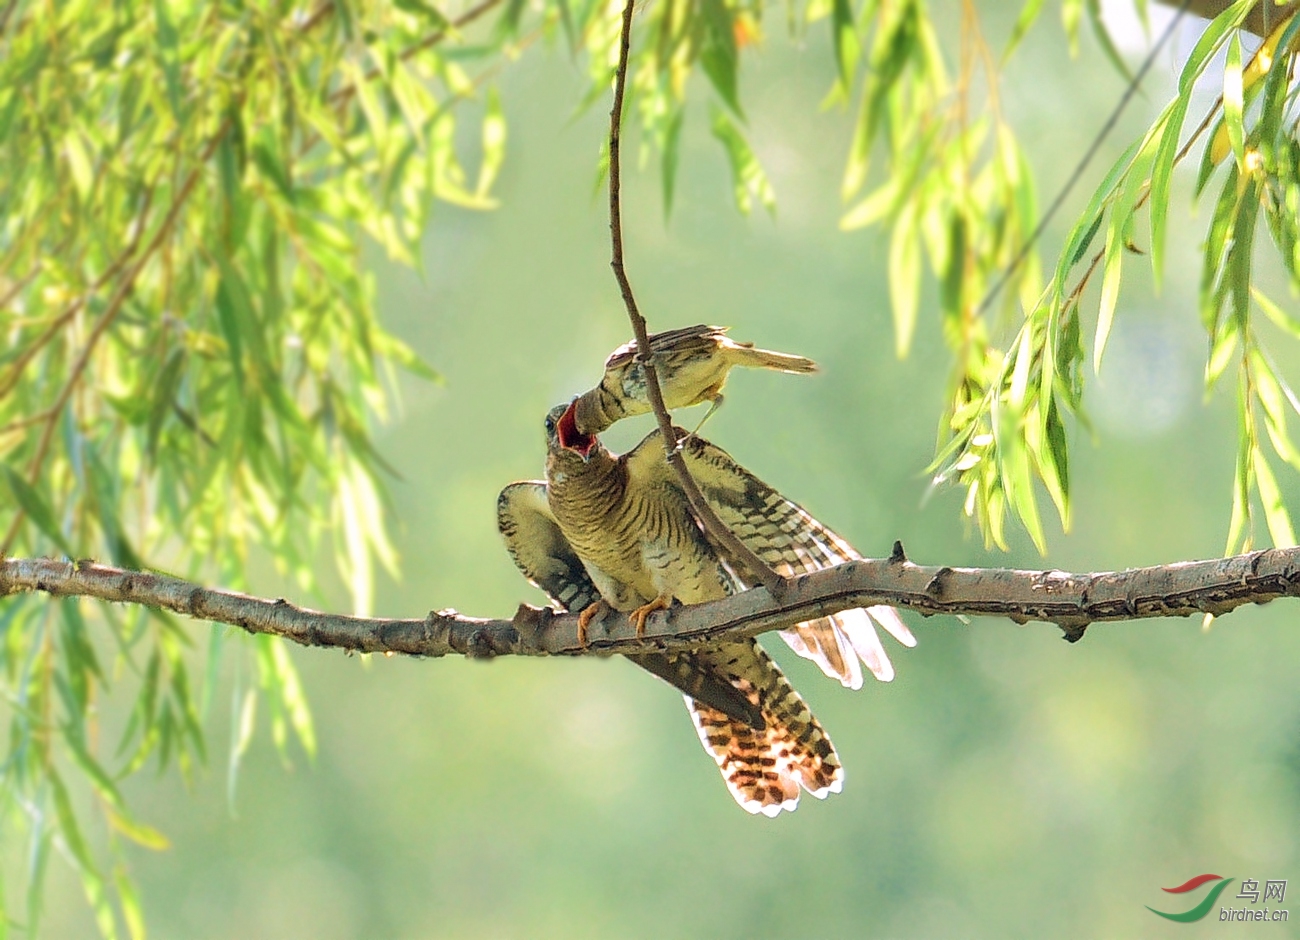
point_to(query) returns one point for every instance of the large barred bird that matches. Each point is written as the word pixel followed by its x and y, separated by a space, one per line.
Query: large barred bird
pixel 620 529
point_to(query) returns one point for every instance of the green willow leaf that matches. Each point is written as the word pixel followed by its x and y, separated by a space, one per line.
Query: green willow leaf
pixel 494 145
pixel 904 281
pixel 141 834
pixel 1161 174
pixel 169 55
pixel 1243 476
pixel 430 14
pixel 1276 314
pixel 718 55
pixel 749 182
pixel 1237 269
pixel 36 509
pixel 844 38
pixel 1028 14
pixel 130 904
pixel 1210 41
pixel 1058 482
pixel 1275 511
pixel 670 155
pixel 1102 34
pixel 1232 100
pixel 1109 293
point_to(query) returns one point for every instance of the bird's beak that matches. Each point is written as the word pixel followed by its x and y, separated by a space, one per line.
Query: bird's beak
pixel 571 438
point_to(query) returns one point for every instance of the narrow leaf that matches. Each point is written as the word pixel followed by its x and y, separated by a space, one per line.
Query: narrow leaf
pixel 36 508
pixel 1232 101
pixel 1275 512
pixel 1109 293
pixel 494 144
pixel 904 280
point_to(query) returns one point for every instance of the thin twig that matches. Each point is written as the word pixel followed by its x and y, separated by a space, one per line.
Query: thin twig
pixel 322 11
pixel 432 39
pixel 16 368
pixel 1072 299
pixel 1082 165
pixel 341 96
pixel 111 309
pixel 5 14
pixel 20 423
pixel 124 288
pixel 714 526
pixel 1077 291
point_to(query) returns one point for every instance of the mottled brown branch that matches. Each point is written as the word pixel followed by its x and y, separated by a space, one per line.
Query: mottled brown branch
pixel 1260 20
pixel 1071 601
pixel 719 532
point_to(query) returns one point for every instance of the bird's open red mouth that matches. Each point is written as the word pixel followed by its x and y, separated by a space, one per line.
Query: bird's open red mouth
pixel 570 437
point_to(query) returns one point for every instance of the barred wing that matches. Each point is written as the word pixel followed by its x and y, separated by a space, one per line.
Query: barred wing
pixel 785 536
pixel 539 549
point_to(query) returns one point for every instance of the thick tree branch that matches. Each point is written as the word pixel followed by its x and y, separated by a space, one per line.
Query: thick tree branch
pixel 1071 601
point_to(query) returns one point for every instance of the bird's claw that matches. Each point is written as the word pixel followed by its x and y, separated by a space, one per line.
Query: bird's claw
pixel 714 404
pixel 639 615
pixel 589 613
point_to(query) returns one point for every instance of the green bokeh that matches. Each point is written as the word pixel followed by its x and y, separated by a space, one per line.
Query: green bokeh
pixel 1006 784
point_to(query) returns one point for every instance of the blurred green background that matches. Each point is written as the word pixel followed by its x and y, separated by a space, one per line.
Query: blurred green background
pixel 1006 784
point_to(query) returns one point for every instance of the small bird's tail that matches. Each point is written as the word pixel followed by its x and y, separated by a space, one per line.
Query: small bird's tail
pixel 765 768
pixel 837 642
pixel 746 354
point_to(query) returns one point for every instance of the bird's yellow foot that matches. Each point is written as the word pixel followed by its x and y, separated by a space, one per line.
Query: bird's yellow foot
pixel 638 616
pixel 589 613
pixel 714 397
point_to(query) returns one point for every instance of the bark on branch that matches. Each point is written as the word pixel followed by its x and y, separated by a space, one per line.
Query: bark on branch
pixel 1260 20
pixel 1071 601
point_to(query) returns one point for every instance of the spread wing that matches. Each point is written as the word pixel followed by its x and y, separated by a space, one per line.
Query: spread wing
pixel 785 536
pixel 540 550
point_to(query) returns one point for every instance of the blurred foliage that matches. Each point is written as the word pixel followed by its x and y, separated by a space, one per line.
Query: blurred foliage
pixel 1005 426
pixel 193 362
pixel 194 365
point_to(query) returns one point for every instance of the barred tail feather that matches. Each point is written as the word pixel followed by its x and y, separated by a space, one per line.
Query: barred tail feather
pixel 765 769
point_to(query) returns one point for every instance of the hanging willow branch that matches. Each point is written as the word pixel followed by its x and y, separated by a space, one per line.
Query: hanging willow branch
pixel 708 519
pixel 1071 601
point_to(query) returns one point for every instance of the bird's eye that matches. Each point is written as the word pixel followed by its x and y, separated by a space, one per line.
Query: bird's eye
pixel 550 425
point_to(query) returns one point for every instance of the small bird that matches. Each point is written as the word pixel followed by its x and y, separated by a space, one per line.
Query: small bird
pixel 691 364
pixel 620 530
